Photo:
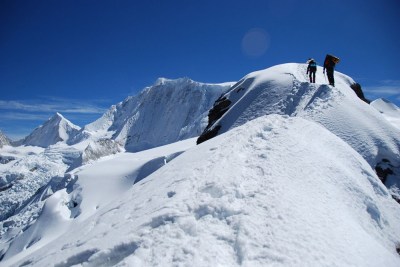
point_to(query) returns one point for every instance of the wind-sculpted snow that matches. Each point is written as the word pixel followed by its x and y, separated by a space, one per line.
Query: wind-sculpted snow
pixel 277 191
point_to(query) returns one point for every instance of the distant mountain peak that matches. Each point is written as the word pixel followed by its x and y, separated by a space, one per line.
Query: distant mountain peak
pixel 4 140
pixel 168 111
pixel 55 129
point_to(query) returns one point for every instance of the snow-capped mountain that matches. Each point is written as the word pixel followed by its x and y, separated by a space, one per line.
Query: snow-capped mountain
pixel 168 111
pixel 290 178
pixel 389 110
pixel 54 130
pixel 4 140
pixel 284 89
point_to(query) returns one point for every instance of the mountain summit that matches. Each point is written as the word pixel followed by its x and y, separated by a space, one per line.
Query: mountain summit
pixel 54 130
pixel 284 89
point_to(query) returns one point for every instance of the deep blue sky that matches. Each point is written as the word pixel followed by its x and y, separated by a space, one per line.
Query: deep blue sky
pixel 80 57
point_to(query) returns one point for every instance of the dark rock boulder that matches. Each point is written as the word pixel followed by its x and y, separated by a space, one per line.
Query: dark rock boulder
pixel 221 105
pixel 357 89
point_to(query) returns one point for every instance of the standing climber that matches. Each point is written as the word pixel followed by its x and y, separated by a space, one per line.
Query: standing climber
pixel 329 64
pixel 312 69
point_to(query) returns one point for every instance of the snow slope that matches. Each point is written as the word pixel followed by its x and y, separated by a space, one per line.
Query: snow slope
pixel 56 129
pixel 166 112
pixel 389 110
pixel 276 191
pixel 84 191
pixel 284 89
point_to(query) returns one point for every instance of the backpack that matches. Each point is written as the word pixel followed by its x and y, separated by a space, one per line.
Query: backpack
pixel 332 58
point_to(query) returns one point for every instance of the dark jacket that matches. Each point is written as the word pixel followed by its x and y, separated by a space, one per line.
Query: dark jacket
pixel 312 66
pixel 329 64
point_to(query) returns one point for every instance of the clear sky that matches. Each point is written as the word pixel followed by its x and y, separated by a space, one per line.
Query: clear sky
pixel 79 57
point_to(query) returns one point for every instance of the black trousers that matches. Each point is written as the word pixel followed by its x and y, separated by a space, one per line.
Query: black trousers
pixel 312 76
pixel 331 78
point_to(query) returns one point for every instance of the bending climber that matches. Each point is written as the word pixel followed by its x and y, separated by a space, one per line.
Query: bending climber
pixel 312 69
pixel 329 64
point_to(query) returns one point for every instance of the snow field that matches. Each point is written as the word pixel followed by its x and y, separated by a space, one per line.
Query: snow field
pixel 245 198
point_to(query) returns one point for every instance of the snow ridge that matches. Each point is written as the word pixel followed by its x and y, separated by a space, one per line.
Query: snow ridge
pixel 243 198
pixel 284 89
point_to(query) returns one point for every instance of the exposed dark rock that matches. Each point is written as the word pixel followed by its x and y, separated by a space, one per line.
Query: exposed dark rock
pixel 383 170
pixel 357 89
pixel 219 108
pixel 396 198
pixel 206 135
pixel 221 105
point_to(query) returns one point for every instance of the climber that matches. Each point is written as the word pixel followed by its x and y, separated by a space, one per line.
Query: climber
pixel 329 65
pixel 312 69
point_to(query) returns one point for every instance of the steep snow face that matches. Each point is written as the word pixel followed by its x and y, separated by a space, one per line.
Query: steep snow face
pixel 4 140
pixel 284 89
pixel 56 129
pixel 277 191
pixel 164 113
pixel 389 110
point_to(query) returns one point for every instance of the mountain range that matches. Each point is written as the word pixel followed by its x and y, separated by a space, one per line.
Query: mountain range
pixel 285 173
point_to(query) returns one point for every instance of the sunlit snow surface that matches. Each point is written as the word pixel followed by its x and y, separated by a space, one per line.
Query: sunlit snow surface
pixel 276 190
pixel 288 182
pixel 390 111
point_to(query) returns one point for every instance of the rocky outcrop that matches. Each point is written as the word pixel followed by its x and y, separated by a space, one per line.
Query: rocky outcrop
pixel 357 89
pixel 221 105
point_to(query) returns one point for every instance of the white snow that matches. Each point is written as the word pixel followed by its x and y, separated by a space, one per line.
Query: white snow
pixel 56 129
pixel 276 191
pixel 92 187
pixel 168 111
pixel 289 180
pixel 390 111
pixel 284 89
